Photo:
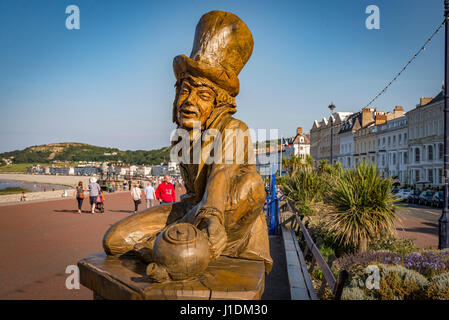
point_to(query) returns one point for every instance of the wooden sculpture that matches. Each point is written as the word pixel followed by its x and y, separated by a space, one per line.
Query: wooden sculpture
pixel 221 213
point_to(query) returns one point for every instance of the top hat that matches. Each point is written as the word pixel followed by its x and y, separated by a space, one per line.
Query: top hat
pixel 222 46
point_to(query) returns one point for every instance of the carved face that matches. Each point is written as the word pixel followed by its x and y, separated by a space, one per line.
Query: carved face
pixel 195 103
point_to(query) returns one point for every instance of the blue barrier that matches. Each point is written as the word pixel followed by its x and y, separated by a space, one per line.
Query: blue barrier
pixel 271 207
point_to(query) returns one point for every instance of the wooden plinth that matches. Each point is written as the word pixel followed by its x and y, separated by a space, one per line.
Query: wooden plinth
pixel 124 279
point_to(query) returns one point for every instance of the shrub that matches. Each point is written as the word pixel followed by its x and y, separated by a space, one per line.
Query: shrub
pixel 355 294
pixel 363 206
pixel 390 243
pixel 438 288
pixel 399 283
pixel 428 263
pixel 318 230
pixel 361 260
pixel 396 283
pixel 304 188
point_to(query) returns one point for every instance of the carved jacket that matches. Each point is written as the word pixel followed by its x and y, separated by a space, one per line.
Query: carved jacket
pixel 231 190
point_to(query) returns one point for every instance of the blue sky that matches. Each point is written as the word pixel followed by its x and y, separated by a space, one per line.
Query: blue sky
pixel 111 82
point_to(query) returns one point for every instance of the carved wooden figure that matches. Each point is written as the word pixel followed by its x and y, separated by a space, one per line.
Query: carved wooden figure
pixel 221 213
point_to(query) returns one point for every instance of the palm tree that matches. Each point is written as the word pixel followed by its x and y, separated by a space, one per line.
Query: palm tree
pixel 305 187
pixel 287 165
pixel 363 206
pixel 308 161
pixel 324 167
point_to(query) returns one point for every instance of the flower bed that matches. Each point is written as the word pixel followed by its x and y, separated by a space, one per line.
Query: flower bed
pixel 416 276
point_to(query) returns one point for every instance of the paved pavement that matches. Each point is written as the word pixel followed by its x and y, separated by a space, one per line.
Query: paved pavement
pixel 419 223
pixel 38 240
pixel 277 286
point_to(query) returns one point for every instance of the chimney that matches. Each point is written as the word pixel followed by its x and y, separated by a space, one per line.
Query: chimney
pixel 424 100
pixel 381 118
pixel 398 111
pixel 390 116
pixel 367 116
pixel 299 131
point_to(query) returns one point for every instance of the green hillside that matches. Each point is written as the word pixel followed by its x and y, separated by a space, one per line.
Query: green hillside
pixel 75 152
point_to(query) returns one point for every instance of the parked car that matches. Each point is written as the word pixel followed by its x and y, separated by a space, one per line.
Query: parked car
pixel 413 196
pixel 403 194
pixel 425 197
pixel 395 190
pixel 437 200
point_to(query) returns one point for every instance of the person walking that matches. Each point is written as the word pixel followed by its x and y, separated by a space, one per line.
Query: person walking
pixel 79 195
pixel 136 193
pixel 149 195
pixel 94 192
pixel 165 192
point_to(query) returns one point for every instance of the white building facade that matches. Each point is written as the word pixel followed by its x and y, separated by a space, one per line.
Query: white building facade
pixel 392 148
pixel 346 134
pixel 425 131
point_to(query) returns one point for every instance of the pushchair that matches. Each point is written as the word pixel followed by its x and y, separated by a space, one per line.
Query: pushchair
pixel 99 205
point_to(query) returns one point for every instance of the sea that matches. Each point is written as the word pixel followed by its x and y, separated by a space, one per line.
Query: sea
pixel 31 185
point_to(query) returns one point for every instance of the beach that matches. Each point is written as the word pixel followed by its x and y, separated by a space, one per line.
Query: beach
pixel 44 179
pixel 52 179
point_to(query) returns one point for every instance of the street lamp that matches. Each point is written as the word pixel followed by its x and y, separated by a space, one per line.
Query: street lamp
pixel 443 236
pixel 331 108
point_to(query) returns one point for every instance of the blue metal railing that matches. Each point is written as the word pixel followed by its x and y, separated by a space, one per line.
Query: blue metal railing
pixel 271 208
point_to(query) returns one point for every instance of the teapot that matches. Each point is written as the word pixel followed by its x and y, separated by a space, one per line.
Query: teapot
pixel 183 250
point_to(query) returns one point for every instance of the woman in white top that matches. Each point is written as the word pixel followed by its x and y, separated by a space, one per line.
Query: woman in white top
pixel 136 193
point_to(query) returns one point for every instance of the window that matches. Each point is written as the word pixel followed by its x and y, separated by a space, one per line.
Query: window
pixel 378 142
pixel 399 139
pixel 405 138
pixel 394 140
pixel 440 151
pixel 416 154
pixel 440 176
pixel 430 153
pixel 389 140
pixel 383 141
pixel 430 175
pixel 394 158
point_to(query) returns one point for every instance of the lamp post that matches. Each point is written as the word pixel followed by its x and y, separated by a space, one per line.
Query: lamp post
pixel 331 108
pixel 443 239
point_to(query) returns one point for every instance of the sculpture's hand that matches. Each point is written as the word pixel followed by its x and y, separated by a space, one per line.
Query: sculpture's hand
pixel 157 272
pixel 216 234
pixel 144 250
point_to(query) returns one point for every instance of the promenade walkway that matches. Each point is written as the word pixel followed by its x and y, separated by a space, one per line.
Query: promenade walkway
pixel 38 240
pixel 277 286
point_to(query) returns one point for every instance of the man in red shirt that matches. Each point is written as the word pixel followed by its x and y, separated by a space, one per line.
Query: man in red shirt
pixel 165 192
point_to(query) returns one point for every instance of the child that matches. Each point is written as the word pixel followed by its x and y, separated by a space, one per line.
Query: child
pixel 100 202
